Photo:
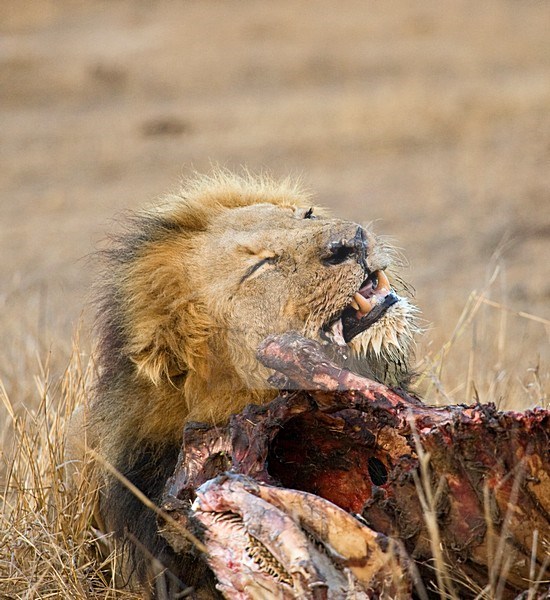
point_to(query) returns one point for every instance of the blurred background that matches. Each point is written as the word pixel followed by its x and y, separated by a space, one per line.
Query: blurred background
pixel 430 118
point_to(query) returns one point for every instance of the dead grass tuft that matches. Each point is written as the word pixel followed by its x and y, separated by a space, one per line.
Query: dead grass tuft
pixel 491 355
pixel 48 548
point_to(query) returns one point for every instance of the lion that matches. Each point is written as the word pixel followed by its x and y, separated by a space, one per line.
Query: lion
pixel 187 293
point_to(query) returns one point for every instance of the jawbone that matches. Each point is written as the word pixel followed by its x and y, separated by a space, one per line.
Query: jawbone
pixel 267 542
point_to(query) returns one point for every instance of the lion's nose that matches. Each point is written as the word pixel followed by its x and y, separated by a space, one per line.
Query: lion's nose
pixel 347 248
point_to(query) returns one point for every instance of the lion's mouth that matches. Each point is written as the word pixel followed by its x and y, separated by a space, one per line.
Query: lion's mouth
pixel 370 303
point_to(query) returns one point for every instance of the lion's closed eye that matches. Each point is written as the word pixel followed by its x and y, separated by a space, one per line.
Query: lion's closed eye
pixel 254 268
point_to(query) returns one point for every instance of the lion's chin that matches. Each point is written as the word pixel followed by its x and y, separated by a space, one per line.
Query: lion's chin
pixel 380 342
pixel 391 335
pixel 390 330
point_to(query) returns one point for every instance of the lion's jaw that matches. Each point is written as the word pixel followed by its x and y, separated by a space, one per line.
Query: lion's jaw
pixel 384 349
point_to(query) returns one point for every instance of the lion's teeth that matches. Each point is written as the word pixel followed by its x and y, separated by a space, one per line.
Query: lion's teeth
pixel 383 284
pixel 365 305
pixel 368 297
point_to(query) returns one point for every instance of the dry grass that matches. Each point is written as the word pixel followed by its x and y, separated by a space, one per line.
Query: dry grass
pixel 490 355
pixel 47 549
pixel 47 545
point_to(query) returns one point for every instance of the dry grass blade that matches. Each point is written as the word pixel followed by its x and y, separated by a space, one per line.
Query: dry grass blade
pixel 143 498
pixel 492 344
pixel 429 501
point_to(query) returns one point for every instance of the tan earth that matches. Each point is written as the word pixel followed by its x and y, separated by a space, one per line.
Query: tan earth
pixel 430 118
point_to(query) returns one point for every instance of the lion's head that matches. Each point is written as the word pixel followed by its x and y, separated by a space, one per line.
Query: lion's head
pixel 201 279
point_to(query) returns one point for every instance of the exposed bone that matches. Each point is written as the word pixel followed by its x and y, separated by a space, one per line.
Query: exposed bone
pixel 353 443
pixel 354 546
pixel 323 558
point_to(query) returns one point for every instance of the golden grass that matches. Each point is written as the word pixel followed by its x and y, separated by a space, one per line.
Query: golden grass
pixel 492 355
pixel 432 117
pixel 47 544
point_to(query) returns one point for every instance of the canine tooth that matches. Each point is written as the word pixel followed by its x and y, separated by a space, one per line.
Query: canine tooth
pixel 383 282
pixel 365 306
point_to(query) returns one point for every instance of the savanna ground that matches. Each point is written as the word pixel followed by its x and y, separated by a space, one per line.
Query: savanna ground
pixel 430 118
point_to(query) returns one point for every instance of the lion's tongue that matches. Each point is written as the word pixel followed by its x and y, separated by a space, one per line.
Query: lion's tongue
pixel 376 288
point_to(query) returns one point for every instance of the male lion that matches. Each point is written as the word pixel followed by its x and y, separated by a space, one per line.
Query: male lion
pixel 189 291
